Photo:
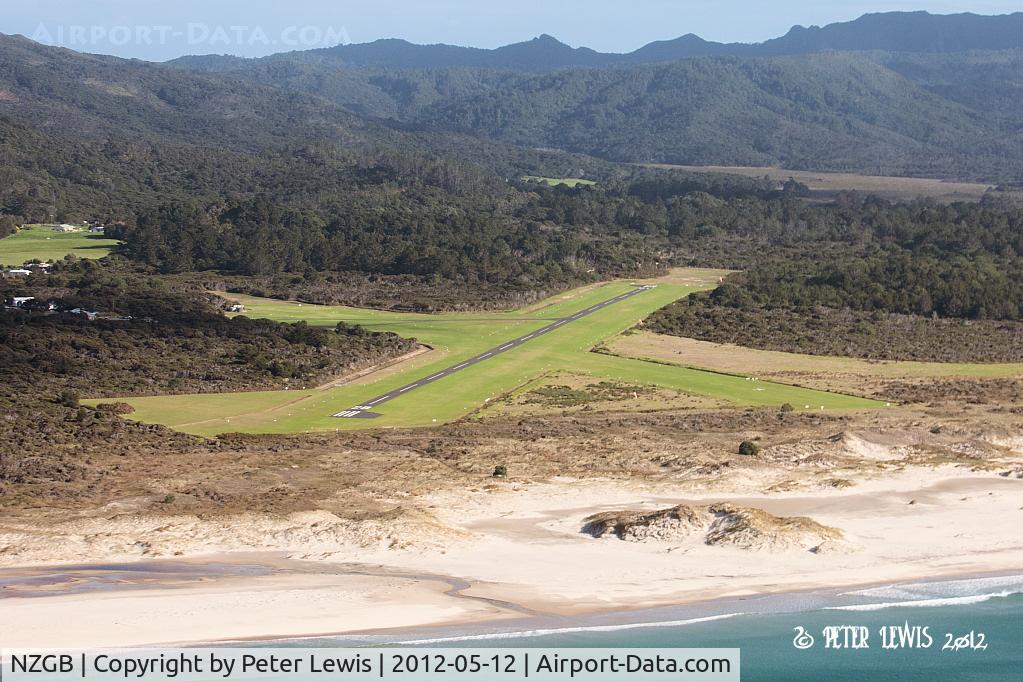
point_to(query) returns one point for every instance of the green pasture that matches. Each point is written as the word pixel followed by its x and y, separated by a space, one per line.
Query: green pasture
pixel 458 336
pixel 40 242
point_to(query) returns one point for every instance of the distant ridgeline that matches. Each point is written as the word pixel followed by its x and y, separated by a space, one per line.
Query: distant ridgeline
pixel 887 94
pixel 886 31
pixel 324 161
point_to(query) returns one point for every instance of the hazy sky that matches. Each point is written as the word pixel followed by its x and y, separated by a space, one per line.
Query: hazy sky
pixel 161 29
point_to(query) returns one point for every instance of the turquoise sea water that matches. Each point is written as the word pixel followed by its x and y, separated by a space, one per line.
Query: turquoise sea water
pixel 768 654
pixel 764 628
pixel 980 617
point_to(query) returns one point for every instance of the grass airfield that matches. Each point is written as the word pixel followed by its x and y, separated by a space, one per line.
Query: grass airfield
pixel 855 376
pixel 40 242
pixel 455 337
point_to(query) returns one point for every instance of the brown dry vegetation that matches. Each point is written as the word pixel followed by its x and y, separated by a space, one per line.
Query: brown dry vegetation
pixel 825 185
pixel 367 474
pixel 949 391
pixel 904 382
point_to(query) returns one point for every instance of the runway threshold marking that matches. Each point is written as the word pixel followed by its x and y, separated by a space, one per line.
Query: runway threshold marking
pixel 361 411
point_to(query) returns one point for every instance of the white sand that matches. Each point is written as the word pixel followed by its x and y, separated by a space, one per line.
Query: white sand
pixel 531 549
pixel 258 607
pixel 521 544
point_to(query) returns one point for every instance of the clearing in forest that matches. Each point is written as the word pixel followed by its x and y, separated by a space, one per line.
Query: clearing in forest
pixel 461 342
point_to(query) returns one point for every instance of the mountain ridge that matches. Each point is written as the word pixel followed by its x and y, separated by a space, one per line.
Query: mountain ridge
pixel 917 31
pixel 917 114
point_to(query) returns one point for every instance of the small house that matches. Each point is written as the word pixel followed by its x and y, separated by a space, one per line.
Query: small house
pixel 235 308
pixel 87 314
pixel 97 229
pixel 19 301
pixel 16 272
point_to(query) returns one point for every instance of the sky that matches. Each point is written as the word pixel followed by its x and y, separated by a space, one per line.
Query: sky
pixel 161 29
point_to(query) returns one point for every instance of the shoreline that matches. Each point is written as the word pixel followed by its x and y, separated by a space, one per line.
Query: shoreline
pixel 626 617
pixel 510 620
pixel 494 559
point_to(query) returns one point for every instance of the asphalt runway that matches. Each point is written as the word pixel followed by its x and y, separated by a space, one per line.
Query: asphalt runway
pixel 363 411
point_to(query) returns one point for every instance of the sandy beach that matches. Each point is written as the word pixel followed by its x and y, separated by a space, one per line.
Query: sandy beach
pixel 508 550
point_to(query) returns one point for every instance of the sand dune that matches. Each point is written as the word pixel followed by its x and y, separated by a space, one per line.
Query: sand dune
pixel 521 544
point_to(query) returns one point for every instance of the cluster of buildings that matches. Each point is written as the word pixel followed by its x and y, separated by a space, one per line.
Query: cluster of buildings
pixel 93 228
pixel 22 301
pixel 45 268
pixel 25 301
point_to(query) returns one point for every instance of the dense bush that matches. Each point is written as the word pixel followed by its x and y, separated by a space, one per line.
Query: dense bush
pixel 151 338
pixel 748 448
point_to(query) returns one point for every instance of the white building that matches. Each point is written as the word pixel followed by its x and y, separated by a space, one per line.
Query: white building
pixel 87 314
pixel 16 272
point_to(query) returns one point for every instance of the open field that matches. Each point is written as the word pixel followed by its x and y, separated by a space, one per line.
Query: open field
pixel 456 337
pixel 848 375
pixel 567 392
pixel 889 187
pixel 42 243
pixel 571 182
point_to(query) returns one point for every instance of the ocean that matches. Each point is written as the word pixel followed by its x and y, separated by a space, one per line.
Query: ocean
pixel 974 631
pixel 947 630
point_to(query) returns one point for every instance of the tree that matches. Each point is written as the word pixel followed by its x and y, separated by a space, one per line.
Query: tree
pixel 7 226
pixel 67 398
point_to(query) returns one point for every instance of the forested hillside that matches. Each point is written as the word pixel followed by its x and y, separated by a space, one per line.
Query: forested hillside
pixel 835 111
pixel 210 171
pixel 949 115
pixel 303 183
